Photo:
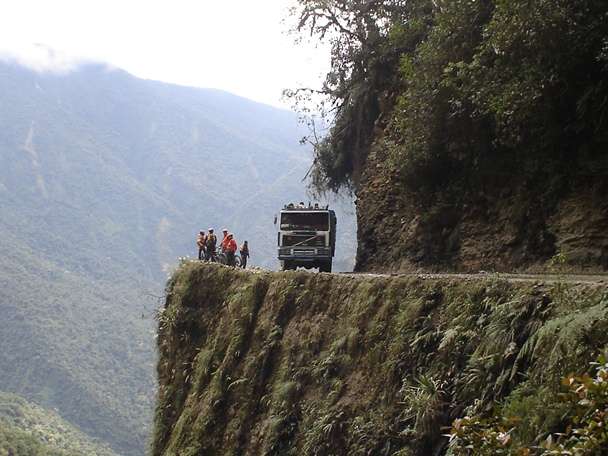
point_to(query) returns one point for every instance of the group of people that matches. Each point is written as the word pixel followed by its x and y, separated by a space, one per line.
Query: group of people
pixel 207 247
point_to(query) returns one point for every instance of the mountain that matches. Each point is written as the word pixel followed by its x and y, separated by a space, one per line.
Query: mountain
pixel 27 429
pixel 104 181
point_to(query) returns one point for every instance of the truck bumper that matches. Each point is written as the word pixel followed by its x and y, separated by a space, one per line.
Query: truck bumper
pixel 302 259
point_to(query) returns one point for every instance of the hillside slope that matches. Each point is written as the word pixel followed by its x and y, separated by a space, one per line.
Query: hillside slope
pixel 141 165
pixel 29 430
pixel 104 181
pixel 316 364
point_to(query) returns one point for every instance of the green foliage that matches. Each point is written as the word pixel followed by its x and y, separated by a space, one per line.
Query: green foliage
pixel 423 403
pixel 364 53
pixel 585 425
pixel 76 345
pixel 303 364
pixel 461 89
pixel 538 409
pixel 29 430
pixel 557 262
pixel 587 430
pixel 14 441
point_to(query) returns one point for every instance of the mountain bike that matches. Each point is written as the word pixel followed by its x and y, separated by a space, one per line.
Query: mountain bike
pixel 222 258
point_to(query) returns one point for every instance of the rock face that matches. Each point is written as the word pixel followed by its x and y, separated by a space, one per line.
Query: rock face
pixel 502 223
pixel 296 363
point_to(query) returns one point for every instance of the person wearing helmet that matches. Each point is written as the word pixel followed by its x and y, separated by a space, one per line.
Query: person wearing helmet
pixel 224 236
pixel 210 244
pixel 200 242
pixel 229 248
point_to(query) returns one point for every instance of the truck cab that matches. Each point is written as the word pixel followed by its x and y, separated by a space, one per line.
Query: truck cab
pixel 306 237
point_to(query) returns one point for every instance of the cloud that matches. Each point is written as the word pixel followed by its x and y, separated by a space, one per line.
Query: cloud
pixel 237 46
pixel 42 58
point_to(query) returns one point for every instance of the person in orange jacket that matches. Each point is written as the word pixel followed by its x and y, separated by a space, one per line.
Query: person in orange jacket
pixel 229 247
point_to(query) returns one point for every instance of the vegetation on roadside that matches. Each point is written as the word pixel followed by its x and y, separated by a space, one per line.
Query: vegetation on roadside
pixel 583 423
pixel 312 364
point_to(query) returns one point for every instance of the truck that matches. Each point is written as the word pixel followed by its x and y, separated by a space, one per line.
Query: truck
pixel 306 237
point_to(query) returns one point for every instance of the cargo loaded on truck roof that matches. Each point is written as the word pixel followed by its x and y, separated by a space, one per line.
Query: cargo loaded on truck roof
pixel 306 236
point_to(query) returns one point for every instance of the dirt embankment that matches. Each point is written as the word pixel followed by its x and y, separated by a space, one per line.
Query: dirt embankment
pixel 316 364
pixel 500 222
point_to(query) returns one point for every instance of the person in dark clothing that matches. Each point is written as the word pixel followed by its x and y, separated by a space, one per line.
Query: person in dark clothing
pixel 244 250
pixel 200 242
pixel 210 245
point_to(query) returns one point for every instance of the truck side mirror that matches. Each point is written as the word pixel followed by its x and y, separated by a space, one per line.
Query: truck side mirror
pixel 275 219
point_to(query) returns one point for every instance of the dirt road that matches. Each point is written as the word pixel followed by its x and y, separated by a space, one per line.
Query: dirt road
pixel 599 279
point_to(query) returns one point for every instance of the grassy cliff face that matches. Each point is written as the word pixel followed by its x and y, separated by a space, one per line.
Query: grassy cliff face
pixel 316 364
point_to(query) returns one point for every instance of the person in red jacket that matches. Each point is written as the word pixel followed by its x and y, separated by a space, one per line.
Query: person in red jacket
pixel 229 247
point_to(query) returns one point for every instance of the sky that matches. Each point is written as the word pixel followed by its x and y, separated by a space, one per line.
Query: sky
pixel 241 46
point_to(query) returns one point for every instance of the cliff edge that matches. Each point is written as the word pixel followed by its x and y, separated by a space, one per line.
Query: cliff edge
pixel 316 364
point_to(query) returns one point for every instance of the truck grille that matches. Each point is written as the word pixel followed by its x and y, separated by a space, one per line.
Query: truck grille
pixel 309 241
pixel 297 252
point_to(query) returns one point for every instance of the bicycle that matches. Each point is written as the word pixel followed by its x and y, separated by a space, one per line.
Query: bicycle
pixel 222 258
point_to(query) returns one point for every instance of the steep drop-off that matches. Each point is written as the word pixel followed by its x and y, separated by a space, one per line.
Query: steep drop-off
pixel 104 180
pixel 314 364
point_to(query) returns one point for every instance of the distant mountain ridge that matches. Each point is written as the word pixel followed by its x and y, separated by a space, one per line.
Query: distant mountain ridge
pixel 104 181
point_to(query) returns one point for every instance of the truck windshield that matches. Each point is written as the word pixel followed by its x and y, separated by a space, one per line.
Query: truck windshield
pixel 311 221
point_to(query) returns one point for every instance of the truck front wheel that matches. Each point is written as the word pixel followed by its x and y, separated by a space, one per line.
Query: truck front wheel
pixel 325 266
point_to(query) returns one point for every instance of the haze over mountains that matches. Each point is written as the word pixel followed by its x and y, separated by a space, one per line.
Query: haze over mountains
pixel 104 181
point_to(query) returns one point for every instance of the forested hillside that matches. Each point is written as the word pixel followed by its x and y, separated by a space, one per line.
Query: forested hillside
pixel 29 430
pixel 104 181
pixel 475 133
